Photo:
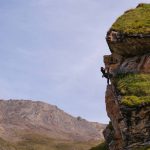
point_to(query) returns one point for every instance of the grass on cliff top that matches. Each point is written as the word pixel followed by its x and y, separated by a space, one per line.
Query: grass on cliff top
pixel 134 88
pixel 134 20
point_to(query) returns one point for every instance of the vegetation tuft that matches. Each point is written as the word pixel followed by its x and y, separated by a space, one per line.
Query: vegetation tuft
pixel 143 148
pixel 134 20
pixel 134 88
pixel 101 146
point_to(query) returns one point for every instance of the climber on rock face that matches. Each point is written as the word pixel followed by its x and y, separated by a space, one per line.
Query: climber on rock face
pixel 106 74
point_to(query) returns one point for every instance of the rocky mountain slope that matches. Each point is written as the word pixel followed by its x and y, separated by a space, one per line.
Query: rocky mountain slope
pixel 128 96
pixel 27 121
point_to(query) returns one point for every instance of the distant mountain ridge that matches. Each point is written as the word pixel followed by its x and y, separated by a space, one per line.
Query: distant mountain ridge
pixel 21 117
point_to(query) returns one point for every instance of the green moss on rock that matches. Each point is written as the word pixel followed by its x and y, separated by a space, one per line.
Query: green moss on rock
pixel 143 148
pixel 133 88
pixel 134 21
pixel 135 101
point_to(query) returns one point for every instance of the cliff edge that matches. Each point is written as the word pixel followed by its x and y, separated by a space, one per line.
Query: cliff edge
pixel 128 95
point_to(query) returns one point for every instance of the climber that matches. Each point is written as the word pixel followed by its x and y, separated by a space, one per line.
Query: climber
pixel 106 74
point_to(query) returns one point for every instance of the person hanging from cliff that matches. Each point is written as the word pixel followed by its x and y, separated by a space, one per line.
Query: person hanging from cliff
pixel 106 74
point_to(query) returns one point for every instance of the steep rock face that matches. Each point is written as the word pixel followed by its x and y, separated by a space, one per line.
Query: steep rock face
pixel 113 112
pixel 128 97
pixel 136 64
pixel 130 126
pixel 122 44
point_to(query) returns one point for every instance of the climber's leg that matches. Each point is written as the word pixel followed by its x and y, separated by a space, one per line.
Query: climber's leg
pixel 107 81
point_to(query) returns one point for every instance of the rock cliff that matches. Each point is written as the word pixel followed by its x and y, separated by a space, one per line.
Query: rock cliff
pixel 128 95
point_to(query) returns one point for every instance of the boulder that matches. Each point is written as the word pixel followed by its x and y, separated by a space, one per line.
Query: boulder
pixel 130 34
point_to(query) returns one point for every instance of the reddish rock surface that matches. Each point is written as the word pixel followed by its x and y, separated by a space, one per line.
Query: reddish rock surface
pixel 130 126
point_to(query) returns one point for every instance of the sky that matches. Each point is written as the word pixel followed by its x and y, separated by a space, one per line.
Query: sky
pixel 52 51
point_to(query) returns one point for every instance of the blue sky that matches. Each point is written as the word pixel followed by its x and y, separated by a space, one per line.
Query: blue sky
pixel 51 50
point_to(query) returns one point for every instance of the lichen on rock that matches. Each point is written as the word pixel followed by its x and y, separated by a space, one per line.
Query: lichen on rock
pixel 128 96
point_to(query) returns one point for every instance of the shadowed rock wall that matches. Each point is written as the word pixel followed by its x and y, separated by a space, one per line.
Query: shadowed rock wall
pixel 129 128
